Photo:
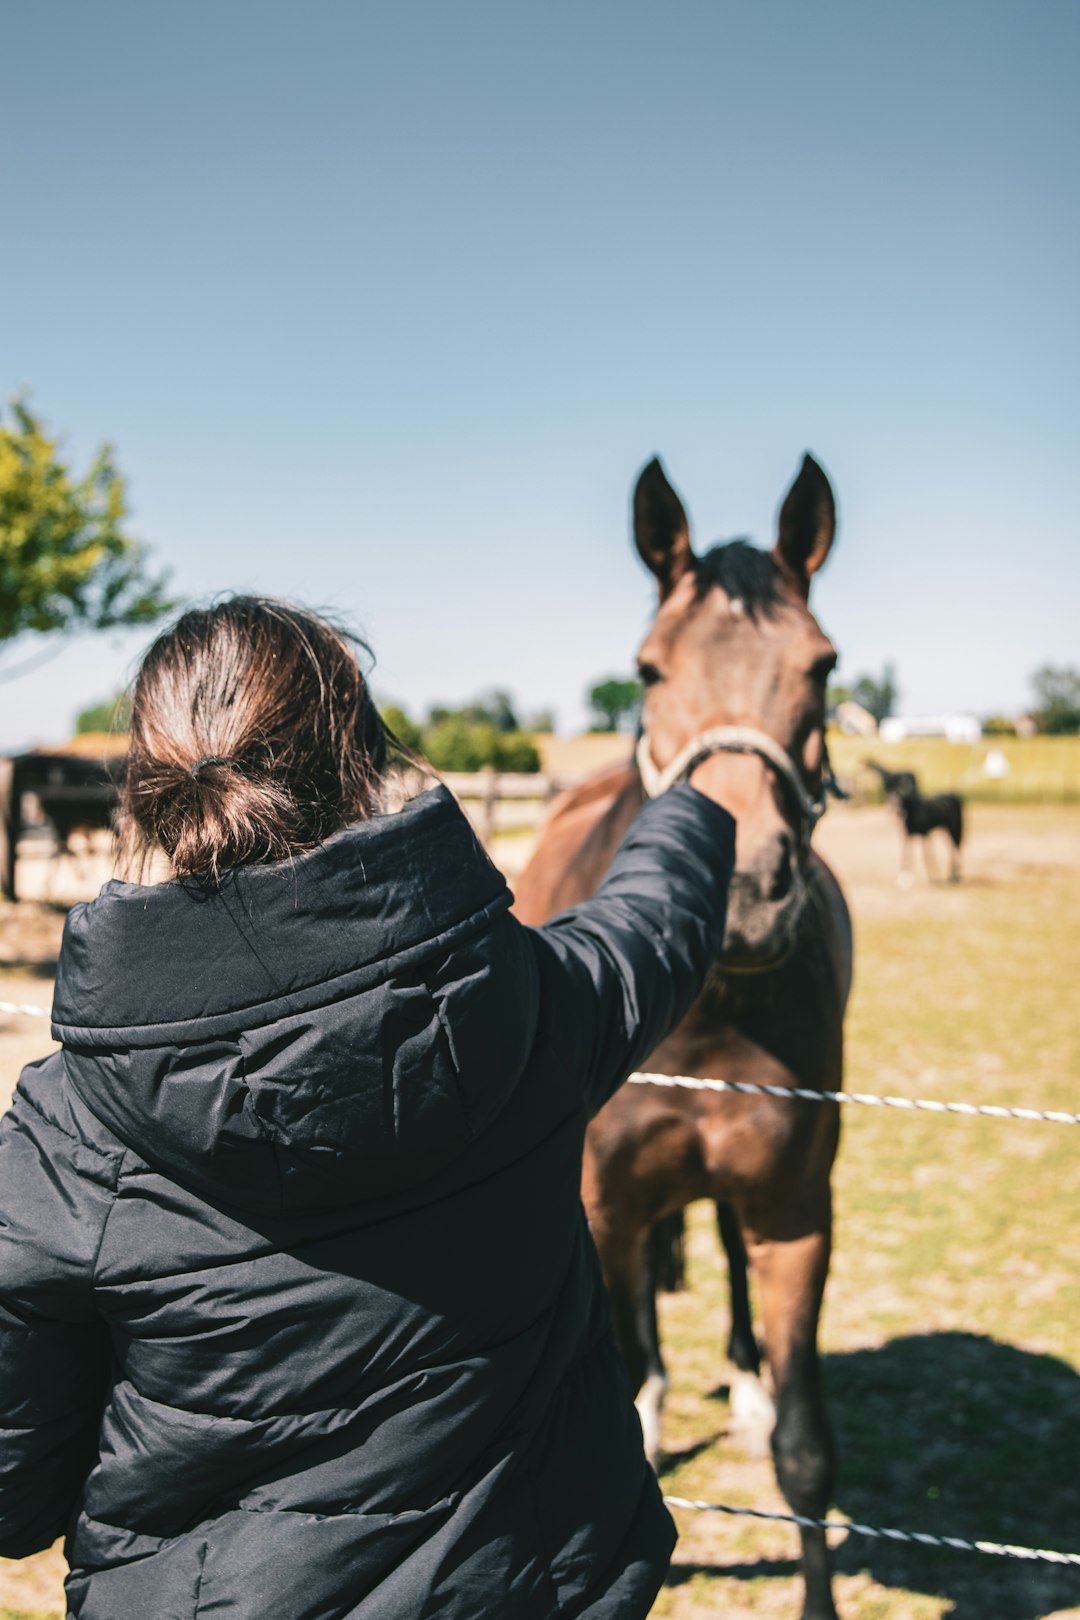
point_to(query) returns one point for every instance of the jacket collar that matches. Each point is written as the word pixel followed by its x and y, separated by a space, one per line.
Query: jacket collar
pixel 186 960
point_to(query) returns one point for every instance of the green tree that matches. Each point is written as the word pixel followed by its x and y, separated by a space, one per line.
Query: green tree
pixel 497 707
pixel 405 730
pixel 457 741
pixel 877 697
pixel 516 751
pixel 616 704
pixel 1057 690
pixel 467 739
pixel 113 715
pixel 66 560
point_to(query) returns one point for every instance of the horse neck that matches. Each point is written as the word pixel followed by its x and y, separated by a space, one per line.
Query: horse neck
pixel 577 844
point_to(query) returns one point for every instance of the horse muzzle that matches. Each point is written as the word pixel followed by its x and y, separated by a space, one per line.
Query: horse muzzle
pixel 764 907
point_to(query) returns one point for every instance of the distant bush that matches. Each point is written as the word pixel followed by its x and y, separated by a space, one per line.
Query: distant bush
pixel 516 751
pixel 999 725
pixel 1060 721
pixel 455 743
pixel 113 715
pixel 467 739
pixel 1058 692
pixel 405 730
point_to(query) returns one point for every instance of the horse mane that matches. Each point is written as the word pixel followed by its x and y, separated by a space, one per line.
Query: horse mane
pixel 741 570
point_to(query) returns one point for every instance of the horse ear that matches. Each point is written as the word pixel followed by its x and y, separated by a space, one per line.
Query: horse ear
pixel 661 527
pixel 807 524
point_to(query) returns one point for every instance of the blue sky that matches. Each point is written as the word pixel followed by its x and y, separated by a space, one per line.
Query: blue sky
pixel 383 307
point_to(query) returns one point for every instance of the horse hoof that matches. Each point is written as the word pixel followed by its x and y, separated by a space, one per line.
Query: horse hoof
pixel 753 1415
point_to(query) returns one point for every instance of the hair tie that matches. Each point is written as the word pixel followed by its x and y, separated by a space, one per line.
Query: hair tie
pixel 208 759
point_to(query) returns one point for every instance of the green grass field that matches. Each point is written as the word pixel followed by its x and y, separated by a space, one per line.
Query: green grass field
pixel 952 1323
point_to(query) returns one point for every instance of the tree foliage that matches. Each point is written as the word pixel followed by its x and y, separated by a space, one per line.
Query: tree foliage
pixel 480 734
pixel 1057 691
pixel 407 732
pixel 66 560
pixel 877 695
pixel 616 704
pixel 112 715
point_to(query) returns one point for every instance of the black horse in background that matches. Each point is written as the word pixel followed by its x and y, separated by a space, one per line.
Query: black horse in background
pixel 919 817
pixel 74 794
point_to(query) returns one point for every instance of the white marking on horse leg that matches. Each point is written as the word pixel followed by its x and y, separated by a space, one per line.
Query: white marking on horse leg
pixel 753 1415
pixel 650 1404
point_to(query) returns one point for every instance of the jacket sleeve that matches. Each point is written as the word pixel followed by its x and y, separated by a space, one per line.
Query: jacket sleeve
pixel 620 970
pixel 54 1352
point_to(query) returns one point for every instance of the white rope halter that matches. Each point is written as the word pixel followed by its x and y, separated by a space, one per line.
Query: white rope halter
pixel 733 740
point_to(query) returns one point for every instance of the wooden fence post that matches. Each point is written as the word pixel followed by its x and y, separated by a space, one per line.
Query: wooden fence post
pixel 490 798
pixel 9 818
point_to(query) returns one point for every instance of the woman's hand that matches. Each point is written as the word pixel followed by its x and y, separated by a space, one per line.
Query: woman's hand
pixel 713 777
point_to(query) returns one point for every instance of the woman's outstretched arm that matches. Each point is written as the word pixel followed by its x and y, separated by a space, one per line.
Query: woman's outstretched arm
pixel 619 971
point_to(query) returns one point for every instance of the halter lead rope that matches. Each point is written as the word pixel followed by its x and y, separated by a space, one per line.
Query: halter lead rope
pixel 732 740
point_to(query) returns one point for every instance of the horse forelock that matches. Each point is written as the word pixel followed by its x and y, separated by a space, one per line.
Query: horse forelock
pixel 744 573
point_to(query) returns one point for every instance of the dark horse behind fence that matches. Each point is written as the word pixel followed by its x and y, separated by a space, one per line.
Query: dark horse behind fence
pixel 919 817
pixel 734 665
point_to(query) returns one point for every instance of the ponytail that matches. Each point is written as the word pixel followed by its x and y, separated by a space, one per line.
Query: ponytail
pixel 253 737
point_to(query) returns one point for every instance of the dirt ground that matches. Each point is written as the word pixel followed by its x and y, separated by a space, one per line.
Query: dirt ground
pixel 952 1320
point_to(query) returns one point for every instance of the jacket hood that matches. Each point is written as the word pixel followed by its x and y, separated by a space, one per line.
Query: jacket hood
pixel 325 1029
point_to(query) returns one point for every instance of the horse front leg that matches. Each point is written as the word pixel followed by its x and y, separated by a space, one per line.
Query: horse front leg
pixel 929 866
pixel 906 875
pixel 752 1411
pixel 654 1385
pixel 790 1274
pixel 628 1266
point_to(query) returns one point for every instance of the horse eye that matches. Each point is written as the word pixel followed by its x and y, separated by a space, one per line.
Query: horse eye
pixel 648 674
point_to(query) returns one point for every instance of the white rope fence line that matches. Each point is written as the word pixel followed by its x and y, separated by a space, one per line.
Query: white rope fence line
pixel 25 1008
pixel 689 1082
pixel 921 1538
pixel 926 1104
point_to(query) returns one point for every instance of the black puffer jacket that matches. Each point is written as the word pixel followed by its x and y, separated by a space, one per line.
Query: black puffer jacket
pixel 299 1313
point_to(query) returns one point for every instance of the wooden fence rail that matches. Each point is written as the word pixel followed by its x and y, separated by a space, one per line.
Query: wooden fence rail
pixel 503 801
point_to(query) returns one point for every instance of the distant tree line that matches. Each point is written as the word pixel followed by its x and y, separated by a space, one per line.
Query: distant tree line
pixel 1057 693
pixel 878 695
pixel 484 733
pixel 112 715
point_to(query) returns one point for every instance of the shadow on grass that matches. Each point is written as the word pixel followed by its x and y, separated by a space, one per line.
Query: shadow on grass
pixel 769 1568
pixel 671 1460
pixel 960 1435
pixel 30 967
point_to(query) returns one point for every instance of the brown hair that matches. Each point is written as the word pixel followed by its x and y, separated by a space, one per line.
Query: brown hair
pixel 253 737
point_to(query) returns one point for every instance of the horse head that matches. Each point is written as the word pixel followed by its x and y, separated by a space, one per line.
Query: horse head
pixel 900 787
pixel 734 660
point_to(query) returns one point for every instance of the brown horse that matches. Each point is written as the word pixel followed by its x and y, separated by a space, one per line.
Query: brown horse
pixel 734 666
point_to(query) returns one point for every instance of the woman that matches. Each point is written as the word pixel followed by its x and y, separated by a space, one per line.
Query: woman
pixel 299 1312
